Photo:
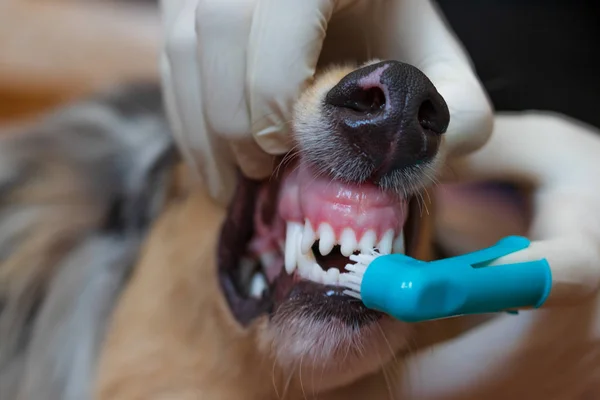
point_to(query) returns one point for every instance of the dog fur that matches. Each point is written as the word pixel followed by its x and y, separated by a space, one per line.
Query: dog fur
pixel 108 283
pixel 79 190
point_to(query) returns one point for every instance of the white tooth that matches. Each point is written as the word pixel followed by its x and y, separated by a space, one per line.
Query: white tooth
pixel 257 285
pixel 398 246
pixel 367 242
pixel 326 239
pixel 305 261
pixel 292 237
pixel 332 276
pixel 268 259
pixel 385 244
pixel 308 237
pixel 247 267
pixel 317 273
pixel 348 242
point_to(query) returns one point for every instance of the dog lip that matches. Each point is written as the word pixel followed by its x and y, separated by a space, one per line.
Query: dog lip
pixel 245 310
pixel 236 232
pixel 320 302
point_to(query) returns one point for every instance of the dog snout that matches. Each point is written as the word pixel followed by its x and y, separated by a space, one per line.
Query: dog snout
pixel 391 112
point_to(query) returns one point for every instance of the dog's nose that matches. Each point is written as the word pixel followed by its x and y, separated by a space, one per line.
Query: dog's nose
pixel 391 113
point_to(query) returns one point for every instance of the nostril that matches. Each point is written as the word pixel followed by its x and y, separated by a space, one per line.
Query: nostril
pixel 357 99
pixel 433 118
pixel 366 101
pixel 427 115
pixel 389 115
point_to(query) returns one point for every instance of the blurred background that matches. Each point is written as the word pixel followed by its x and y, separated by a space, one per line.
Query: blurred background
pixel 529 54
pixel 52 51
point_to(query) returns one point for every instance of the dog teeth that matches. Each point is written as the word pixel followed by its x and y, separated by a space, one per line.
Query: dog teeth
pixel 293 235
pixel 332 276
pixel 268 259
pixel 308 237
pixel 385 244
pixel 348 242
pixel 305 261
pixel 367 242
pixel 301 237
pixel 398 245
pixel 247 266
pixel 326 238
pixel 316 273
pixel 258 285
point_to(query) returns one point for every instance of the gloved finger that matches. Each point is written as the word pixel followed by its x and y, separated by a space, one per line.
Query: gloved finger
pixel 223 27
pixel 560 158
pixel 169 10
pixel 285 42
pixel 415 33
pixel 208 155
pixel 574 262
pixel 566 226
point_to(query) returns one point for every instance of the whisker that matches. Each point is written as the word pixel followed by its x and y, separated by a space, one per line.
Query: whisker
pixel 288 383
pixel 386 341
pixel 273 380
pixel 302 383
pixel 385 376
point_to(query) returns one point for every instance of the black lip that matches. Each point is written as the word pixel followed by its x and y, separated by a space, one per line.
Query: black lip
pixel 287 291
pixel 321 302
pixel 236 232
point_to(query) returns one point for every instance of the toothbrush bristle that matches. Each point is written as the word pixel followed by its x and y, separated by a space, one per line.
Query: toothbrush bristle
pixel 352 278
pixel 352 294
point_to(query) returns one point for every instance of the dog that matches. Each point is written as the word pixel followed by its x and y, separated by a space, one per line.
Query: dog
pixel 122 279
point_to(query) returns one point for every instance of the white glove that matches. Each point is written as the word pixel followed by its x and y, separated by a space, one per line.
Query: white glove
pixel 232 70
pixel 552 353
pixel 560 159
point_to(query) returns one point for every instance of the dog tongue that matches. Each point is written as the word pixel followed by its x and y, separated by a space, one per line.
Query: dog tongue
pixel 361 207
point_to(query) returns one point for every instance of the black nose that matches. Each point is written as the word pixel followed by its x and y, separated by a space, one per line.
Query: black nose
pixel 391 112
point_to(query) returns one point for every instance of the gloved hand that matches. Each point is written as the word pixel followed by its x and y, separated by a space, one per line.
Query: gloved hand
pixel 233 69
pixel 559 158
pixel 553 352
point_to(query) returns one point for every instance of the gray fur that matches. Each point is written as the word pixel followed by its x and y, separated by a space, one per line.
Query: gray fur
pixel 60 363
pixel 52 322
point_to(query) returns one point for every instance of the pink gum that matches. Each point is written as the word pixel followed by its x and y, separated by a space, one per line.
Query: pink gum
pixel 359 207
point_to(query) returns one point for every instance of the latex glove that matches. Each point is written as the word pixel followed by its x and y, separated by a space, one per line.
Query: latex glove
pixel 559 158
pixel 554 352
pixel 232 70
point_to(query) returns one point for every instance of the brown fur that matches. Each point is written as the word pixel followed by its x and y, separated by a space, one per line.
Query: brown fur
pixel 173 335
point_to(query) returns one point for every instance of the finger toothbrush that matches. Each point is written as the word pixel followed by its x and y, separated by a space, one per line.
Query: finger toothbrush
pixel 411 290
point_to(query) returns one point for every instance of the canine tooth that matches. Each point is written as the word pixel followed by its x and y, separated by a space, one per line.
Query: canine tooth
pixel 367 242
pixel 332 276
pixel 348 242
pixel 308 237
pixel 291 246
pixel 257 285
pixel 385 244
pixel 305 261
pixel 398 246
pixel 326 239
pixel 317 273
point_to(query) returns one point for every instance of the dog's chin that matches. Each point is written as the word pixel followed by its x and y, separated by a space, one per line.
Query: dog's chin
pixel 312 330
pixel 321 339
